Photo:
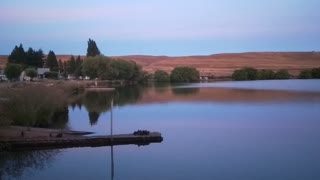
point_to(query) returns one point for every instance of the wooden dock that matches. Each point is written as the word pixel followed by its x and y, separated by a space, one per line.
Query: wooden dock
pixel 78 141
pixel 99 89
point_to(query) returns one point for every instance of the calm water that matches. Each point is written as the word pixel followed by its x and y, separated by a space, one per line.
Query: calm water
pixel 234 130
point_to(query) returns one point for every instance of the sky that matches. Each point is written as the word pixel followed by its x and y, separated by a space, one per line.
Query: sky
pixel 160 27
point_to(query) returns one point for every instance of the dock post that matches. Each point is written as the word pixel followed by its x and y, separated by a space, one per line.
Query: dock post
pixel 111 121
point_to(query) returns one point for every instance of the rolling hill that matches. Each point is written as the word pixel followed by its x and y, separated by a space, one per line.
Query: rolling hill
pixel 223 64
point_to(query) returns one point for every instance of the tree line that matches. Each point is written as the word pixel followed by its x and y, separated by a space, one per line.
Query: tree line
pixel 249 73
pixel 95 65
pixel 178 74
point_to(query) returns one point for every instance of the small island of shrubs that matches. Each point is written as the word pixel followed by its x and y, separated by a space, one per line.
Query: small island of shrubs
pixel 249 73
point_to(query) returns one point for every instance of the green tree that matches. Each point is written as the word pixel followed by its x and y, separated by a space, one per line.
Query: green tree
pixel 92 49
pixel 96 67
pixel 252 74
pixel 282 74
pixel 52 62
pixel 122 69
pixel 71 65
pixel 51 75
pixel 161 76
pixel 13 71
pixel 244 74
pixel 78 67
pixel 34 58
pixel 184 74
pixel 305 74
pixel 17 55
pixel 265 74
pixel 239 75
pixel 61 67
pixel 31 72
pixel 315 73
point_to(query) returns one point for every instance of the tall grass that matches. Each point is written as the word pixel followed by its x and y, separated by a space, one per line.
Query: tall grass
pixel 34 105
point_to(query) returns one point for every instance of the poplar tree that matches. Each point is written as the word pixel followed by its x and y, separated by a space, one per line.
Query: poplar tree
pixel 52 62
pixel 92 49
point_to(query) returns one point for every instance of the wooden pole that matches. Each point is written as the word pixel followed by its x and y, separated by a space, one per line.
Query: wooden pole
pixel 111 125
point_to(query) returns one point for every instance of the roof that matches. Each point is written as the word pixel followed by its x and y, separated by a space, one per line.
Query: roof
pixel 42 70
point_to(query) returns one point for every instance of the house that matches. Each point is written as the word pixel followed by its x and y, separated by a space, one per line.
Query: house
pixel 2 75
pixel 41 71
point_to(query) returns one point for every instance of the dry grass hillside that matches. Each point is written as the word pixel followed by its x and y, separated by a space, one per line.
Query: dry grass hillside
pixel 224 64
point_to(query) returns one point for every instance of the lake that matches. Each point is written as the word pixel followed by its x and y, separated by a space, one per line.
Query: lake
pixel 226 130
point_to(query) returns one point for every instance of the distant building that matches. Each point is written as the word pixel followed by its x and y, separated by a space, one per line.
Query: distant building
pixel 2 75
pixel 41 71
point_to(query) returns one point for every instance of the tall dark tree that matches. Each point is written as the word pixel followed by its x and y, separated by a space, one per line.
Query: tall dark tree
pixel 71 65
pixel 34 58
pixel 17 55
pixel 92 49
pixel 52 62
pixel 61 68
pixel 78 67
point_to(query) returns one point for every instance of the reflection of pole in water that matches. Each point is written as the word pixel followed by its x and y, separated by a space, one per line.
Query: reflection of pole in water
pixel 112 164
pixel 111 127
pixel 111 121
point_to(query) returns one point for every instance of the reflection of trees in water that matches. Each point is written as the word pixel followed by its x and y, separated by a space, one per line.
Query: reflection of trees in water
pixel 125 95
pixel 162 87
pixel 97 102
pixel 185 91
pixel 93 117
pixel 17 164
pixel 58 120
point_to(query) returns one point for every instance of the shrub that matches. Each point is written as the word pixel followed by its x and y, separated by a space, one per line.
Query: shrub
pixel 315 73
pixel 161 76
pixel 246 73
pixel 239 75
pixel 31 72
pixel 282 74
pixel 305 74
pixel 13 71
pixel 184 74
pixel 265 74
pixel 51 75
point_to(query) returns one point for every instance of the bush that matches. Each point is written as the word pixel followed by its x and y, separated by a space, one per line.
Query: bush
pixel 315 73
pixel 239 75
pixel 13 71
pixel 282 74
pixel 184 74
pixel 244 74
pixel 31 72
pixel 305 74
pixel 265 74
pixel 161 76
pixel 51 75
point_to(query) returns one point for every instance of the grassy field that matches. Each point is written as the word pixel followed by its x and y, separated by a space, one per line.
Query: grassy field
pixel 224 64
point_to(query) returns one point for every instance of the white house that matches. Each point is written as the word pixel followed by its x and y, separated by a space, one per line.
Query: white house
pixel 41 71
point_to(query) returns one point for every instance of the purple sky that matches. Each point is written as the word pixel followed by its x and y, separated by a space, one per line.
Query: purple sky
pixel 161 27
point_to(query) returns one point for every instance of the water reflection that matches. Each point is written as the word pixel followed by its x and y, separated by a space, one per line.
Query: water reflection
pixel 162 87
pixel 236 134
pixel 98 102
pixel 185 91
pixel 19 164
